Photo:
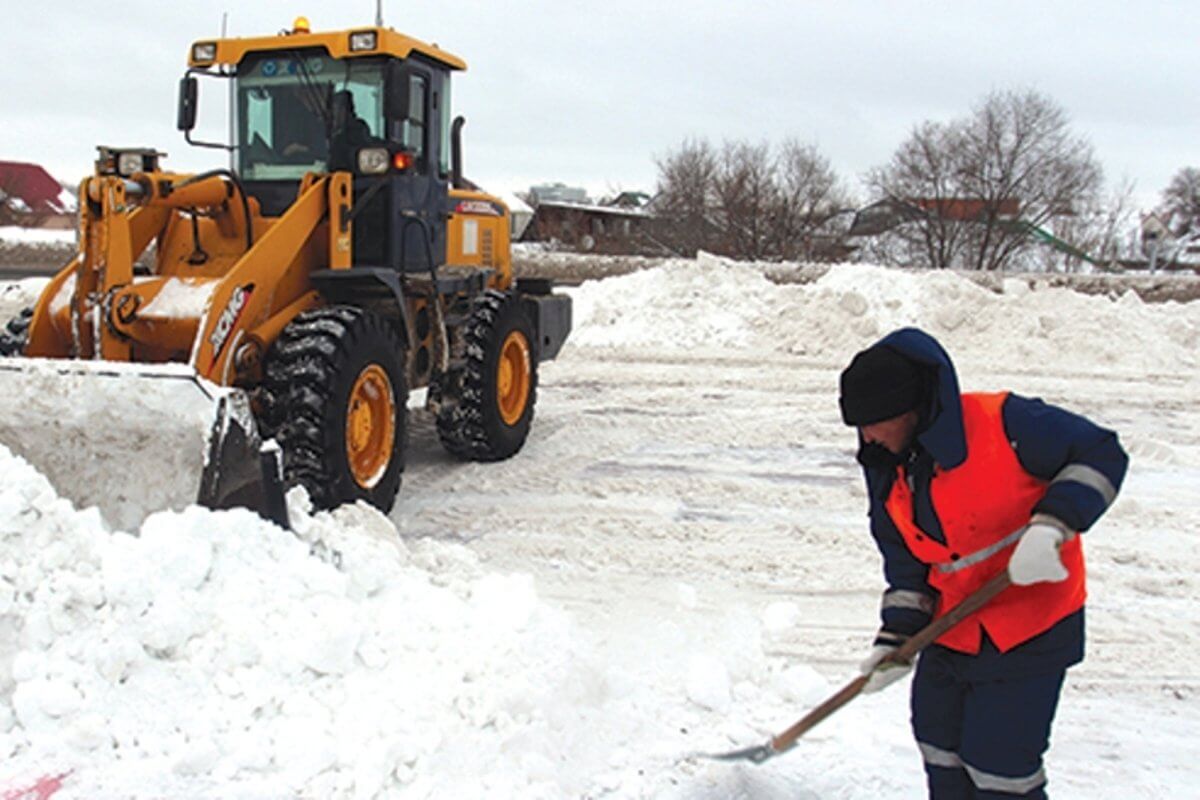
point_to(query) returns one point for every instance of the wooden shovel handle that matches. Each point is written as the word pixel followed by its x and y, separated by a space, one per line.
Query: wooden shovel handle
pixel 972 603
pixel 915 644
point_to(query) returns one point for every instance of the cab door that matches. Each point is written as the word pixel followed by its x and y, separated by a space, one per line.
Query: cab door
pixel 418 190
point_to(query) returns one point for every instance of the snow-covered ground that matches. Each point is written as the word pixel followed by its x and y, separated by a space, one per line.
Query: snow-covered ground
pixel 21 235
pixel 678 561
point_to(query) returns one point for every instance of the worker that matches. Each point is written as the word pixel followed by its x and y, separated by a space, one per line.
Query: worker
pixel 349 131
pixel 963 486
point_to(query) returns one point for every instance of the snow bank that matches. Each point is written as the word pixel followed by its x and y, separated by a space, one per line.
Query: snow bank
pixel 711 302
pixel 22 235
pixel 213 650
pixel 214 654
pixel 683 304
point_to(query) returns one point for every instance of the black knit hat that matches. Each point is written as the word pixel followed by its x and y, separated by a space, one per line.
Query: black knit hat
pixel 879 384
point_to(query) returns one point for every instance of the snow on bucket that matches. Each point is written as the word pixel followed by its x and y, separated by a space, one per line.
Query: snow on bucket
pixel 127 438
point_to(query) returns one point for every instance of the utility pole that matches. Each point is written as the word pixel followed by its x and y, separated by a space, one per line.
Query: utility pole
pixel 378 13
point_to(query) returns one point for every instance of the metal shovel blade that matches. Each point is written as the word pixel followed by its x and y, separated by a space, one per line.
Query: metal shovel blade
pixel 755 755
pixel 906 652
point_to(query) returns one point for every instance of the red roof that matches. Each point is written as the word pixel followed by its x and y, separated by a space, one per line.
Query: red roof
pixel 966 208
pixel 33 186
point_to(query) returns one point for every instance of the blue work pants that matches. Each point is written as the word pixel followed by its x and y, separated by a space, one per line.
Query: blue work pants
pixel 982 739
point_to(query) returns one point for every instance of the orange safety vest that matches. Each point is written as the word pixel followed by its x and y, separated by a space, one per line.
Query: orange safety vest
pixel 983 505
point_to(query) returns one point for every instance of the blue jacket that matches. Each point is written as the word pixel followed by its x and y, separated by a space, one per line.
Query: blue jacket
pixel 1046 439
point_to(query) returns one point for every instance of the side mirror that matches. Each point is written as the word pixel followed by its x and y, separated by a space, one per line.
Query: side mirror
pixel 188 92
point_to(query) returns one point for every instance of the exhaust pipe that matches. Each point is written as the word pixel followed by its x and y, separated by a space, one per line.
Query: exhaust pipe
pixel 457 180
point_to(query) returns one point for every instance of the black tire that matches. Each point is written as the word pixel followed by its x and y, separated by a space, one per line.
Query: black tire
pixel 471 423
pixel 310 373
pixel 15 335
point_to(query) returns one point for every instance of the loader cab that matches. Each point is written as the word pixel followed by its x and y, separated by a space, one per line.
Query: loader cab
pixel 384 119
pixel 371 101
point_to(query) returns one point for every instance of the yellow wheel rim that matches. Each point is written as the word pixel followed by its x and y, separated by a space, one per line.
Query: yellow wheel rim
pixel 513 377
pixel 370 426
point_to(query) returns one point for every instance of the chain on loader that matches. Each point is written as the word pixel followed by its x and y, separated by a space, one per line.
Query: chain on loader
pixel 223 335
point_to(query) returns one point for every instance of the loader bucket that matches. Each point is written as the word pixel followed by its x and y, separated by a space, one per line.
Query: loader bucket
pixel 136 438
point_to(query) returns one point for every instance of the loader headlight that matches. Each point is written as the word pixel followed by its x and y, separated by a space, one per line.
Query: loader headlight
pixel 204 52
pixel 373 160
pixel 363 40
pixel 129 163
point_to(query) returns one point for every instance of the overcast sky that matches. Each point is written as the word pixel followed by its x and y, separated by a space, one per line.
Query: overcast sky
pixel 589 93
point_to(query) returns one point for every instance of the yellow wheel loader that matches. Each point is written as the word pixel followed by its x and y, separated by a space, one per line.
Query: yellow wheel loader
pixel 294 298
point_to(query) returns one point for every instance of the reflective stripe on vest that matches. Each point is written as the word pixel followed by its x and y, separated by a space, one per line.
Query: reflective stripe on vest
pixel 983 505
pixel 900 598
pixel 981 554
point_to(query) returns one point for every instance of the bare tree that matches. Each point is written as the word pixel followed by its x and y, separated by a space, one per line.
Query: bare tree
pixel 986 181
pixel 1181 202
pixel 809 195
pixel 748 200
pixel 925 167
pixel 745 193
pixel 684 196
pixel 1019 148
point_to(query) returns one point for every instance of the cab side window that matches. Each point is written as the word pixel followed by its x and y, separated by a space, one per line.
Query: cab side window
pixel 414 129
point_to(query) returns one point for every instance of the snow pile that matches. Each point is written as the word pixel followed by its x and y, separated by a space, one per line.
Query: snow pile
pixel 213 649
pixel 213 654
pixel 711 302
pixel 683 304
pixel 1026 323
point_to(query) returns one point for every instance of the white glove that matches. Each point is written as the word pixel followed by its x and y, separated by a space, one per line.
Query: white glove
pixel 882 674
pixel 1036 558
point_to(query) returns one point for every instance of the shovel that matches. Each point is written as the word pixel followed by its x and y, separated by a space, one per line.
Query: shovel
pixel 915 644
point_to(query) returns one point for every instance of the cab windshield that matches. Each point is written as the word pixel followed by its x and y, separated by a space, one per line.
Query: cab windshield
pixel 286 107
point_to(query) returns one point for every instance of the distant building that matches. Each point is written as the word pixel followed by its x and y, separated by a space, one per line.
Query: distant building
pixel 602 229
pixel 31 197
pixel 616 225
pixel 1162 250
